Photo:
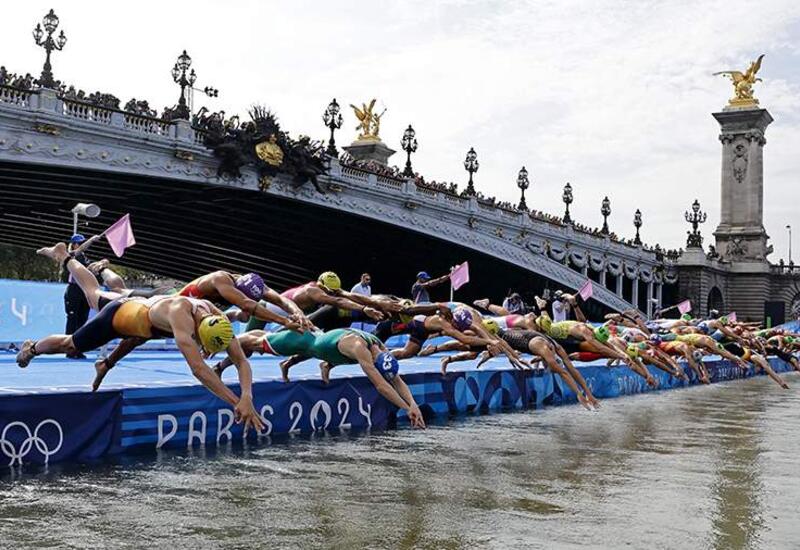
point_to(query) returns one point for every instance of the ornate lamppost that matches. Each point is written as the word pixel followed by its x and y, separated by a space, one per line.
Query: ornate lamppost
pixel 50 23
pixel 695 218
pixel 409 144
pixel 567 198
pixel 471 165
pixel 637 223
pixel 184 79
pixel 332 117
pixel 605 210
pixel 523 183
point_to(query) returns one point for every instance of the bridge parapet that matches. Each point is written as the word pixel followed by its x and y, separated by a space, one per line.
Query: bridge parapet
pixel 38 126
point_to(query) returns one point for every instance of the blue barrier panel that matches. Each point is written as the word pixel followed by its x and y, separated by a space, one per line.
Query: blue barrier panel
pixel 30 309
pixel 45 428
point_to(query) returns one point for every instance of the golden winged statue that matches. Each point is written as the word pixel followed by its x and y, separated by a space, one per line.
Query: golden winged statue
pixel 368 122
pixel 743 84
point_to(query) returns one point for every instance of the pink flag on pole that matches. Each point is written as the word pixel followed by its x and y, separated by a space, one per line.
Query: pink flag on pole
pixel 586 290
pixel 732 316
pixel 460 276
pixel 120 235
pixel 685 306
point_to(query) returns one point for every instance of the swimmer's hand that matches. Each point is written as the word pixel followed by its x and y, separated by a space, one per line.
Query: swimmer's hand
pixel 373 313
pixel 302 321
pixel 246 412
pixel 415 417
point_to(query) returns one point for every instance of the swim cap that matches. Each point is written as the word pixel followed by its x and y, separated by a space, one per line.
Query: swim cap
pixel 251 285
pixel 788 339
pixel 77 238
pixel 601 334
pixel 387 365
pixel 697 354
pixel 491 326
pixel 632 351
pixel 462 318
pixel 655 339
pixel 330 280
pixel 686 317
pixel 215 332
pixel 724 320
pixel 404 317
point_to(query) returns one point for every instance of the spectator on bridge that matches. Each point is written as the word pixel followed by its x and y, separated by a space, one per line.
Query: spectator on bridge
pixel 419 291
pixel 75 305
pixel 364 286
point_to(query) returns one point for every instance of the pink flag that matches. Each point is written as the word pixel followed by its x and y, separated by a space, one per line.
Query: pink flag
pixel 120 235
pixel 685 306
pixel 732 316
pixel 460 276
pixel 586 290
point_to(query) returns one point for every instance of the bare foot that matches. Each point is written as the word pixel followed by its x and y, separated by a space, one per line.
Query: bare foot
pixel 325 372
pixel 445 361
pixel 98 266
pixel 593 400
pixel 483 304
pixel 427 350
pixel 26 354
pixel 285 365
pixel 101 369
pixel 57 252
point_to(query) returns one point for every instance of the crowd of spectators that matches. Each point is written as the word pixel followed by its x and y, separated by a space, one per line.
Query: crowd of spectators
pixel 70 92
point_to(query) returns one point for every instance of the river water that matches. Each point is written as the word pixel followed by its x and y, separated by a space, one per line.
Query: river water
pixel 705 467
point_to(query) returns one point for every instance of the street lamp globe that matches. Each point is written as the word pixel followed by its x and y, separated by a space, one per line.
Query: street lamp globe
pixel 50 22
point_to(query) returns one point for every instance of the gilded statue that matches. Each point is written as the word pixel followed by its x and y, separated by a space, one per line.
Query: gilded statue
pixel 269 151
pixel 743 84
pixel 369 123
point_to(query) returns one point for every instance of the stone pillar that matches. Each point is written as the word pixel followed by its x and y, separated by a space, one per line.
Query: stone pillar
pixel 740 235
pixel 619 285
pixel 635 292
pixel 650 299
pixel 603 278
pixel 366 150
pixel 659 295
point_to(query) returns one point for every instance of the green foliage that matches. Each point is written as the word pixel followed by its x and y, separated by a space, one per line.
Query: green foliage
pixel 22 263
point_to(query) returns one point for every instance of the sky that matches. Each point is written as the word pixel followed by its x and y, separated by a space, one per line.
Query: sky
pixel 614 97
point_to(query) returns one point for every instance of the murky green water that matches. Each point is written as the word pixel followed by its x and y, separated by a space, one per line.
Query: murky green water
pixel 710 467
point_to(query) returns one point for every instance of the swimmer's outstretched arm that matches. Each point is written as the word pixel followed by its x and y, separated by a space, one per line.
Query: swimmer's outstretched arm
pixel 235 297
pixel 287 305
pixel 415 416
pixel 363 356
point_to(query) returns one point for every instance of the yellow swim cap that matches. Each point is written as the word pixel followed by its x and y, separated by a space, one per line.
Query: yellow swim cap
pixel 215 332
pixel 491 326
pixel 633 351
pixel 404 317
pixel 330 280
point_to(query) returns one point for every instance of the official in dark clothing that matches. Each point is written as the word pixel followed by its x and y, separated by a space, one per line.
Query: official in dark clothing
pixel 75 305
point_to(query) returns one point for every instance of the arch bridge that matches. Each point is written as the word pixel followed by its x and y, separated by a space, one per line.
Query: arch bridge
pixel 55 152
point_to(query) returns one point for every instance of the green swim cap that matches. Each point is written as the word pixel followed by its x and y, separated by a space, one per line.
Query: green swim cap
pixel 724 319
pixel 601 334
pixel 686 317
pixel 788 339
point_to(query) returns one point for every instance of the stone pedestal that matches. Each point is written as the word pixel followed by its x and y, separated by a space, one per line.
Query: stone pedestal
pixel 740 235
pixel 376 151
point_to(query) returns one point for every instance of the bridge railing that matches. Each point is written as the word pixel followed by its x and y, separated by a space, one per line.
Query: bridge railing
pixel 15 96
pixel 86 111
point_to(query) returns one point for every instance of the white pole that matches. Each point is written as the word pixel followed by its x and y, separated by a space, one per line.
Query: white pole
pixel 74 222
pixel 789 227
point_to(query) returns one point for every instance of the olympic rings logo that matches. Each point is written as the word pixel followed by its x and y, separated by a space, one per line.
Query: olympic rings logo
pixel 31 440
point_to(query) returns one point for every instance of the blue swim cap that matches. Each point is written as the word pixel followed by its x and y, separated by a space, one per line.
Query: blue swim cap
pixel 387 365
